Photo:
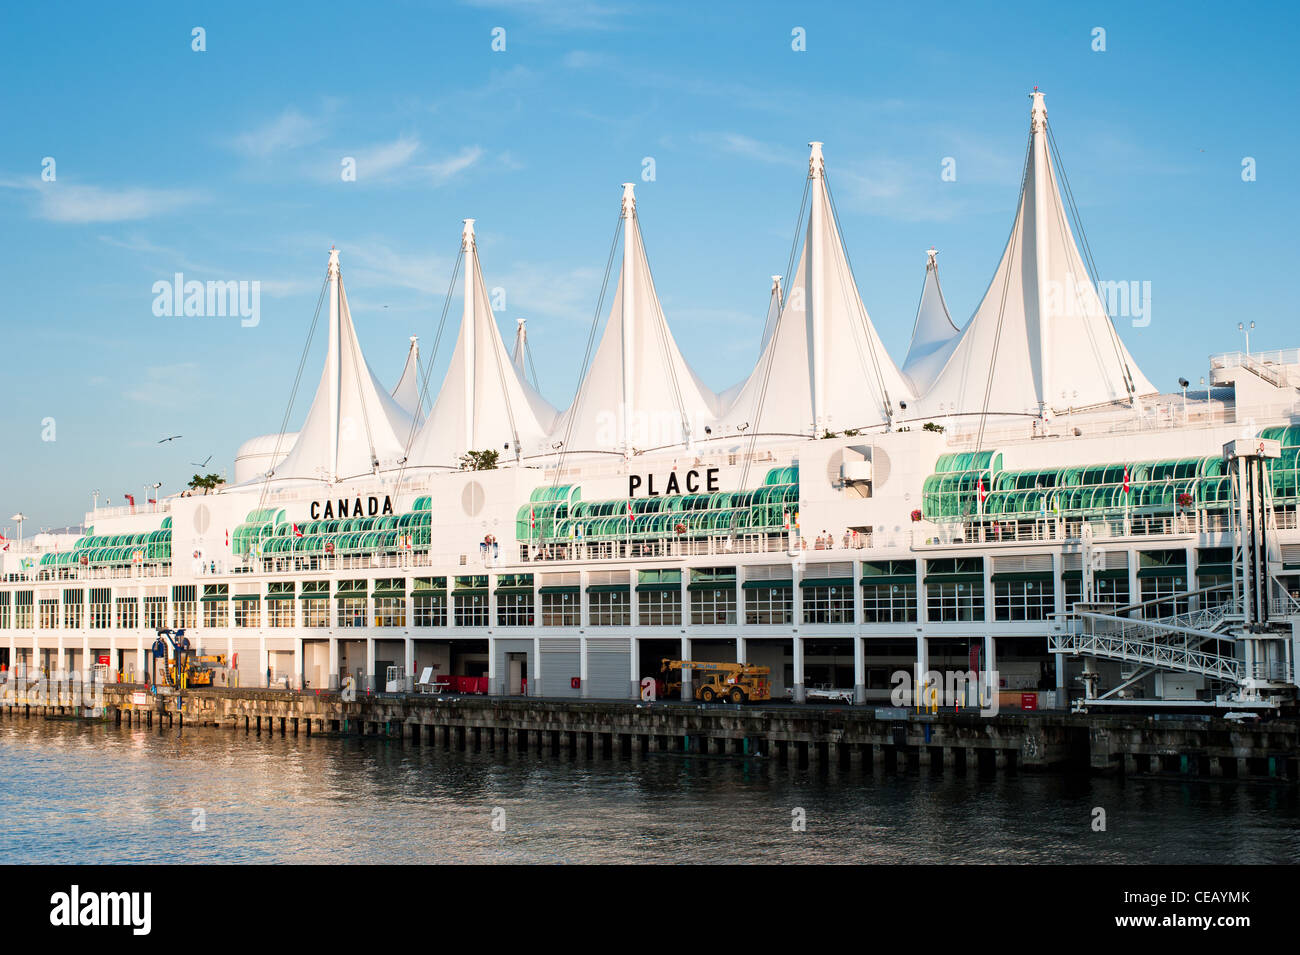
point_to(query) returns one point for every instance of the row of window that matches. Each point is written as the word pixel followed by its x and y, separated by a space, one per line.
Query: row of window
pixel 955 601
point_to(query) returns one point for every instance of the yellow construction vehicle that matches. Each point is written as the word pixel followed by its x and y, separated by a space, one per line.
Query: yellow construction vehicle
pixel 733 682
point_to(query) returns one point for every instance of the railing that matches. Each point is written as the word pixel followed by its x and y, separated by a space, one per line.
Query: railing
pixel 993 531
pixel 1268 365
pixel 1134 645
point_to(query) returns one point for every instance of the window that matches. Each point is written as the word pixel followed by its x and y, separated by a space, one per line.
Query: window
pixel 661 608
pixel 155 612
pixel 610 608
pixel 128 613
pixel 713 596
pixel 101 608
pixel 49 613
pixel 185 611
pixel 469 601
pixel 248 610
pixel 430 608
pixel 279 613
pixel 74 609
pixel 1170 594
pixel 315 603
pixel 828 604
pixel 351 599
pixel 4 610
pixel 889 591
pixel 515 609
pixel 216 613
pixel 561 609
pixel 23 609
pixel 888 603
pixel 769 605
pixel 1023 599
pixel 954 590
pixel 315 611
pixel 390 611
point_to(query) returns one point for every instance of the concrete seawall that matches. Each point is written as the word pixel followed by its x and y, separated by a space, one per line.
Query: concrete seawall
pixel 780 735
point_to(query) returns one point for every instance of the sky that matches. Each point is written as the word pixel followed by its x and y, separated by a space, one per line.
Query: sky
pixel 227 164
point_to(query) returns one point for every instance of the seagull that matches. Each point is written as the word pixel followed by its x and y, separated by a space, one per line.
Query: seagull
pixel 203 463
pixel 172 438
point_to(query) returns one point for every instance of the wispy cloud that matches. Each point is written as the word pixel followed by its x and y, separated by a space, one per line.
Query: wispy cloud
pixel 444 169
pixel 73 203
pixel 290 130
pixel 737 144
pixel 562 14
pixel 172 385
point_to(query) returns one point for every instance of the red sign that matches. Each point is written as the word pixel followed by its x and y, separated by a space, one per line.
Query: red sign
pixel 103 659
pixel 1029 701
pixel 576 683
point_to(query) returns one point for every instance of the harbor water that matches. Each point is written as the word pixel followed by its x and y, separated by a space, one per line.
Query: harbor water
pixel 74 792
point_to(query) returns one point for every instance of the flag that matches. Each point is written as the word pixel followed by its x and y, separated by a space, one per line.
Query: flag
pixel 532 518
pixel 130 499
pixel 629 511
pixel 297 531
pixel 982 493
pixel 227 537
pixel 1126 487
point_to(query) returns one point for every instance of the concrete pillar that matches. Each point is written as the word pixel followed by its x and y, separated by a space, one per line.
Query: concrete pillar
pixel 859 669
pixel 263 660
pixel 333 677
pixel 494 678
pixel 86 671
pixel 370 664
pixel 59 656
pixel 535 671
pixel 797 678
pixel 582 664
pixel 922 669
pixel 297 661
pixel 635 667
pixel 687 692
pixel 991 660
pixel 410 664
pixel 742 650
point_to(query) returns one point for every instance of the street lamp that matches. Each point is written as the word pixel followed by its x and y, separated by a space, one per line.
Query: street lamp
pixel 1241 327
pixel 1184 383
pixel 155 495
pixel 19 518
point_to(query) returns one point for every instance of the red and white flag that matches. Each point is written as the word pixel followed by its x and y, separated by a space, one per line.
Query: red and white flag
pixel 297 531
pixel 629 511
pixel 532 518
pixel 982 493
pixel 1126 487
pixel 227 537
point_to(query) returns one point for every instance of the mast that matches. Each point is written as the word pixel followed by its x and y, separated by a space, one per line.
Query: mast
pixel 471 326
pixel 333 365
pixel 628 310
pixel 1042 183
pixel 816 285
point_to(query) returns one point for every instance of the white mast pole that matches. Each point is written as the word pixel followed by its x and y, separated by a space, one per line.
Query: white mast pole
pixel 628 308
pixel 333 363
pixel 816 289
pixel 1042 183
pixel 471 326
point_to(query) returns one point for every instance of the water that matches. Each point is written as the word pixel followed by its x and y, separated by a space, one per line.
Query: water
pixel 83 793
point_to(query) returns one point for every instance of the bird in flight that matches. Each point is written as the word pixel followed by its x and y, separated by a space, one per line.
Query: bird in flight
pixel 172 438
pixel 203 463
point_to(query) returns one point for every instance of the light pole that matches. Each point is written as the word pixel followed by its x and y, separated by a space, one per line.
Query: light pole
pixel 1184 383
pixel 1242 327
pixel 19 518
pixel 155 495
pixel 94 508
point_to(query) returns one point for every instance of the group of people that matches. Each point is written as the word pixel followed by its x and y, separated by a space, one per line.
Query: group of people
pixel 826 540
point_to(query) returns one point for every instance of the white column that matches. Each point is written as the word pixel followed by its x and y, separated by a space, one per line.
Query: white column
pixel 495 678
pixel 922 668
pixel 582 663
pixel 991 666
pixel 410 664
pixel 535 677
pixel 634 648
pixel 139 654
pixel 263 660
pixel 297 661
pixel 797 686
pixel 859 670
pixel 742 650
pixel 687 692
pixel 85 654
pixel 333 676
pixel 370 663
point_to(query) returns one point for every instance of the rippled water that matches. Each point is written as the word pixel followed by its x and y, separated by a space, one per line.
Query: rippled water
pixel 81 793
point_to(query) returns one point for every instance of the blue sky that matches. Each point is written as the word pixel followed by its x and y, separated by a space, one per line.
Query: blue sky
pixel 225 165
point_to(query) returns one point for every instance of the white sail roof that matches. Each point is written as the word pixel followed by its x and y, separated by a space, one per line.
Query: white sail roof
pixel 639 394
pixel 407 392
pixel 1041 340
pixel 519 353
pixel 484 403
pixel 934 336
pixel 824 366
pixel 354 427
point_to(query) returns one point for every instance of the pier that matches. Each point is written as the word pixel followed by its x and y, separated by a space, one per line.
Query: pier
pixel 780 736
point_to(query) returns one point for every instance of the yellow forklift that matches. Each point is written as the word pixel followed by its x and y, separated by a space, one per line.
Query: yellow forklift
pixel 733 682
